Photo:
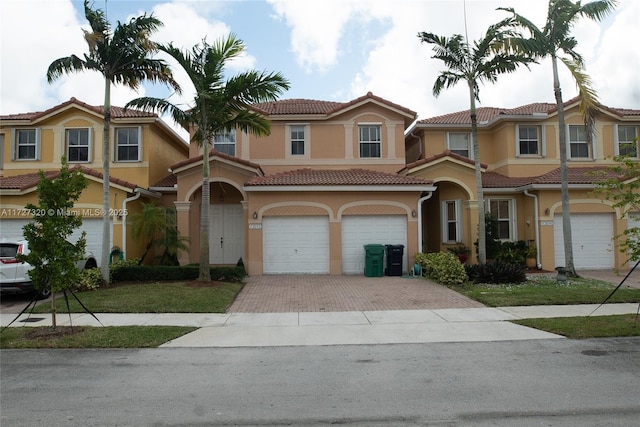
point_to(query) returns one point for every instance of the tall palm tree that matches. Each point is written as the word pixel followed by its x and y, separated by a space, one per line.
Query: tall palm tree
pixel 219 106
pixel 554 40
pixel 481 62
pixel 122 57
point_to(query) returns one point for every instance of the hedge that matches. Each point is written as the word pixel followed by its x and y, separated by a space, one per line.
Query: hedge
pixel 161 272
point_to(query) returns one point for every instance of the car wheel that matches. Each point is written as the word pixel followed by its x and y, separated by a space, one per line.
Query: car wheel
pixel 91 263
pixel 43 293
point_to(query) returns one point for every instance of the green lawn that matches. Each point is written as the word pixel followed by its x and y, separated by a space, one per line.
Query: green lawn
pixel 91 337
pixel 178 297
pixel 626 325
pixel 545 290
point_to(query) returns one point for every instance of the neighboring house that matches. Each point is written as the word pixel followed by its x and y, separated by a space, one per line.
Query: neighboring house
pixel 308 197
pixel 519 152
pixel 142 148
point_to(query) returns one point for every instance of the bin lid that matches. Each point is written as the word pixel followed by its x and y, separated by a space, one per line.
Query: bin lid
pixel 374 248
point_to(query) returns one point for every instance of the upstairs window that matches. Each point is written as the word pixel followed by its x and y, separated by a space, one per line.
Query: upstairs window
pixel 128 144
pixel 451 224
pixel 78 145
pixel 579 147
pixel 528 140
pixel 26 144
pixel 370 141
pixel 297 140
pixel 225 142
pixel 460 143
pixel 626 142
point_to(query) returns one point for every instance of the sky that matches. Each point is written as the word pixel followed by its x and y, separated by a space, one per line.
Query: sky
pixel 332 50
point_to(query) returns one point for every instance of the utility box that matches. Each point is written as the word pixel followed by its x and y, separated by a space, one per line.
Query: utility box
pixel 394 260
pixel 373 260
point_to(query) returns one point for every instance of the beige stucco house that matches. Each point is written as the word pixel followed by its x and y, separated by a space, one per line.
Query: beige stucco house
pixel 142 148
pixel 520 158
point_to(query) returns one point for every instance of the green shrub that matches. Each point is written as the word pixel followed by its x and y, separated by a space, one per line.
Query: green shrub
pixel 442 267
pixel 513 252
pixel 114 267
pixel 134 273
pixel 496 272
pixel 90 280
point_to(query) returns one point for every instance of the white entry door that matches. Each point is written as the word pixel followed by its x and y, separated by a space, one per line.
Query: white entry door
pixel 226 243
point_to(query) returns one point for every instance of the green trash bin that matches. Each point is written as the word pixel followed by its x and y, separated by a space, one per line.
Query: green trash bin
pixel 373 260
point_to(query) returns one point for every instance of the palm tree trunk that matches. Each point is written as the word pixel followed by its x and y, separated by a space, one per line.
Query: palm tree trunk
pixel 564 176
pixel 205 273
pixel 482 235
pixel 106 226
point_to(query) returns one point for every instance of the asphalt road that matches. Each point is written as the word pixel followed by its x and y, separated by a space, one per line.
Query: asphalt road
pixel 523 383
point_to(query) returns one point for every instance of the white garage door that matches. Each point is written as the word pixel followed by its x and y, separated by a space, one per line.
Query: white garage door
pixel 12 229
pixel 592 236
pixel 358 231
pixel 295 245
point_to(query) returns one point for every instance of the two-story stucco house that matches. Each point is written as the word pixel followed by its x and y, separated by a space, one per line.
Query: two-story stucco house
pixel 308 197
pixel 519 152
pixel 142 148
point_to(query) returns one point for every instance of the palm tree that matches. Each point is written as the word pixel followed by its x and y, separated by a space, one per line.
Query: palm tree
pixel 148 224
pixel 122 57
pixel 554 40
pixel 482 62
pixel 219 106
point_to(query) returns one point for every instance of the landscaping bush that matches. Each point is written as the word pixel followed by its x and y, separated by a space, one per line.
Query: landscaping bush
pixel 442 267
pixel 513 252
pixel 90 280
pixel 176 273
pixel 496 272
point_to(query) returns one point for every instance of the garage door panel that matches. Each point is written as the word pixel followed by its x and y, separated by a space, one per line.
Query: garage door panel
pixel 295 245
pixel 358 231
pixel 12 229
pixel 592 236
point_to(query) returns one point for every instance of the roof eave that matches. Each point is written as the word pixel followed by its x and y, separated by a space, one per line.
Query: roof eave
pixel 338 188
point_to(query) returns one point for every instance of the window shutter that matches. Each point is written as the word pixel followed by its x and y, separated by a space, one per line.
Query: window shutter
pixel 14 144
pixel 38 145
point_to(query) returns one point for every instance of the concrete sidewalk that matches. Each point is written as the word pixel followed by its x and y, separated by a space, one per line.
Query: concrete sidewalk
pixel 339 328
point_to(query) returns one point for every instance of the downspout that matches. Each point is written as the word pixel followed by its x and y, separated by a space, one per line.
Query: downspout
pixel 536 226
pixel 136 196
pixel 420 200
pixel 419 143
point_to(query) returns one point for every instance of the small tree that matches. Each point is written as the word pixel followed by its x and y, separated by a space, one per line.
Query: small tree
pixel 621 184
pixel 52 256
pixel 148 225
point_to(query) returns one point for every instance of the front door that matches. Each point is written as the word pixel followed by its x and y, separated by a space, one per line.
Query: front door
pixel 226 244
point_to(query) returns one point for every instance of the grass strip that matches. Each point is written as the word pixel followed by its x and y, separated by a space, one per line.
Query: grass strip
pixel 625 325
pixel 90 337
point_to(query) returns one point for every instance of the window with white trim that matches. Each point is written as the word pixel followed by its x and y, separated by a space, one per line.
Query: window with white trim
pixel 27 143
pixel 579 147
pixel 503 211
pixel 370 141
pixel 529 140
pixel 451 221
pixel 296 133
pixel 78 145
pixel 626 140
pixel 460 143
pixel 225 142
pixel 128 147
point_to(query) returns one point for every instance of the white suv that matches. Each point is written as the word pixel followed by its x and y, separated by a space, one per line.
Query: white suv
pixel 14 275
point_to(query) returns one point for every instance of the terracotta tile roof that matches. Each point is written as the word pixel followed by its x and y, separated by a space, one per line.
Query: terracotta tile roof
pixel 489 114
pixel 168 181
pixel 29 180
pixel 576 176
pixel 321 177
pixel 445 153
pixel 116 112
pixel 315 107
pixel 215 153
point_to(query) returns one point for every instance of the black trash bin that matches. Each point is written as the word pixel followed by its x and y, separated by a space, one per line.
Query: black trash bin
pixel 394 260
